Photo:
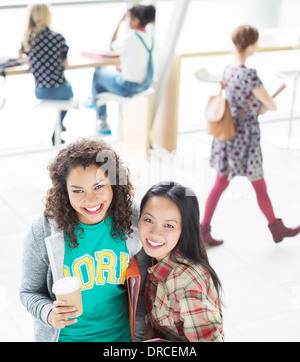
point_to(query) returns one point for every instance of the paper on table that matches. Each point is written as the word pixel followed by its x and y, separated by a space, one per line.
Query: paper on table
pixel 98 54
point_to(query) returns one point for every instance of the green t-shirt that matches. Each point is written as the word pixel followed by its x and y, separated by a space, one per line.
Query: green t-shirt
pixel 100 262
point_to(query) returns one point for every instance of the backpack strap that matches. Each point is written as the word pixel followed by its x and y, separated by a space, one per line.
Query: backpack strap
pixel 245 108
pixel 223 86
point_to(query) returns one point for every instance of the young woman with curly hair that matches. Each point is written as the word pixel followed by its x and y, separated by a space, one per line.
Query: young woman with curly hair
pixel 88 230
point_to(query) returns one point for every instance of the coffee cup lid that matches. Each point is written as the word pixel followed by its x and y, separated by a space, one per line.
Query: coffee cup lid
pixel 66 285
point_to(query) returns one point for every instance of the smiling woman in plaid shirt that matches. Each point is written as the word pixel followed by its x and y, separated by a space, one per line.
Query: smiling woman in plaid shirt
pixel 182 289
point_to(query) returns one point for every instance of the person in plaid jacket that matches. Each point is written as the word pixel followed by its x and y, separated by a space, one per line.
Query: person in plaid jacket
pixel 182 290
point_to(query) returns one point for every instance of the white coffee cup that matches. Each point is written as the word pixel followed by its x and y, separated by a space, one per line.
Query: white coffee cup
pixel 68 289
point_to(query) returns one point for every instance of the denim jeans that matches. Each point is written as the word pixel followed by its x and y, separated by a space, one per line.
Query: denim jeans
pixel 110 80
pixel 63 92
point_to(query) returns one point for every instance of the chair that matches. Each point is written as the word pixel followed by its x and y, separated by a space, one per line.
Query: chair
pixel 59 105
pixel 137 110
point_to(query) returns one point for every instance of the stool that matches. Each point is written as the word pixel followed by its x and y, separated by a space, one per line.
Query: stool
pixel 103 98
pixel 60 105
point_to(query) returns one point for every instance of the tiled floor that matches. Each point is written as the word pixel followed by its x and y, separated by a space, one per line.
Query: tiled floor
pixel 261 279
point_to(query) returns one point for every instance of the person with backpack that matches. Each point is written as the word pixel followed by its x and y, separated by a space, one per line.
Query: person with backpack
pixel 242 156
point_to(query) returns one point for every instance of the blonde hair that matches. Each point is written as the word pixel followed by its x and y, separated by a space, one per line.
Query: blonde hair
pixel 39 19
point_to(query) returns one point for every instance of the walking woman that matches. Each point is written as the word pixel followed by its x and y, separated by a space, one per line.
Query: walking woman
pixel 242 156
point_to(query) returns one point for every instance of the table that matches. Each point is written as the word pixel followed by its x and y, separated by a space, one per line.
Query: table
pixel 76 61
pixel 136 110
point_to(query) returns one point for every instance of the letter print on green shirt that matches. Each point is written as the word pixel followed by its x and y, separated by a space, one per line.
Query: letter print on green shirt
pixel 100 263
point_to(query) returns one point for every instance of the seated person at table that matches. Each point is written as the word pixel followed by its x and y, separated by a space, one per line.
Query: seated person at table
pixel 47 55
pixel 136 51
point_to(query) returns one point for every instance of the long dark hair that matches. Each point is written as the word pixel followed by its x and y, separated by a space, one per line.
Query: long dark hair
pixel 190 244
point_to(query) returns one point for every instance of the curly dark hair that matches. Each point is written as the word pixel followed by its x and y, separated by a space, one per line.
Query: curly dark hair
pixel 85 152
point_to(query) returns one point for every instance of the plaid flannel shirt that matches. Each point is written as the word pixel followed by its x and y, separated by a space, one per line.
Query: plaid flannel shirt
pixel 183 303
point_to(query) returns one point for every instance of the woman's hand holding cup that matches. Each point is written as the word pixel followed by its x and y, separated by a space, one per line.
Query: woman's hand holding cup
pixel 60 315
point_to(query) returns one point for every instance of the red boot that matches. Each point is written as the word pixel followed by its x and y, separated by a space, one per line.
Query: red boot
pixel 207 238
pixel 279 231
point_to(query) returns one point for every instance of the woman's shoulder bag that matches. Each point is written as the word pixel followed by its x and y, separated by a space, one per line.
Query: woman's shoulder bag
pixel 219 119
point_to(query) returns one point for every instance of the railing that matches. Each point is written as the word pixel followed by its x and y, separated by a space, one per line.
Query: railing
pixel 228 52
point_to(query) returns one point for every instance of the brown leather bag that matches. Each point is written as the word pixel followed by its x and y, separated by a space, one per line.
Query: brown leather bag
pixel 219 119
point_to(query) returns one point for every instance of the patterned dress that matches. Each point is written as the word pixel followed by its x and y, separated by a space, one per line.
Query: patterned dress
pixel 241 156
